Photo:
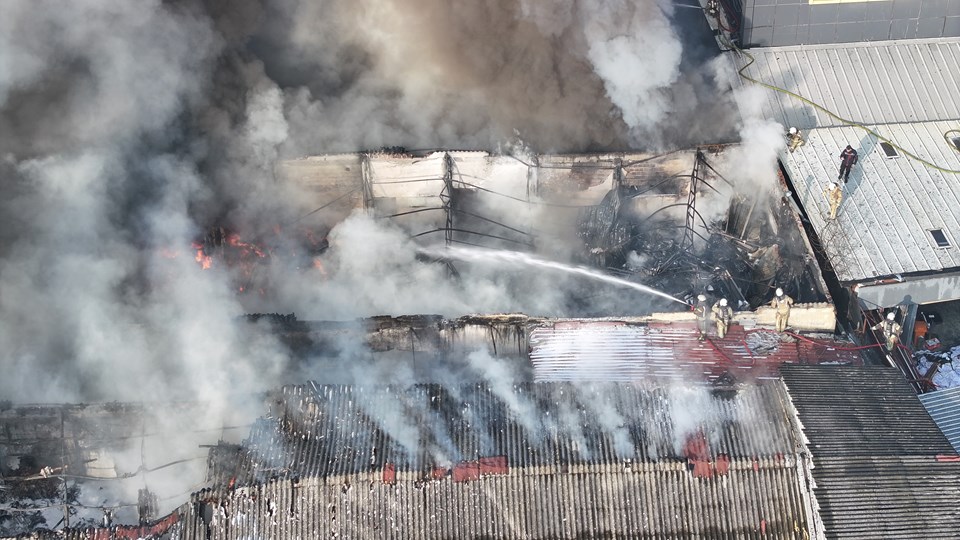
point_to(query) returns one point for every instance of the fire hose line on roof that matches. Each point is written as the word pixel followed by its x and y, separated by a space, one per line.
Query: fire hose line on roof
pixel 834 115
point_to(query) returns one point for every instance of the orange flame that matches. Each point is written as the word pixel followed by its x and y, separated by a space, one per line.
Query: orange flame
pixel 205 261
pixel 319 266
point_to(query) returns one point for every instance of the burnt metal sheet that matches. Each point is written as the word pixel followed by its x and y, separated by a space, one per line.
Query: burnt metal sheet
pixel 871 83
pixel 891 205
pixel 944 408
pixel 618 351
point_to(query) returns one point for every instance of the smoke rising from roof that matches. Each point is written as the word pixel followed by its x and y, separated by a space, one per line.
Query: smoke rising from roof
pixel 130 128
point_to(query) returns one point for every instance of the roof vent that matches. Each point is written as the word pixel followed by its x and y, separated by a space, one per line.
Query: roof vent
pixel 889 150
pixel 956 142
pixel 940 238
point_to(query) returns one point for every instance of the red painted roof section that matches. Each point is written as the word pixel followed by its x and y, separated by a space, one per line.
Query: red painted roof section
pixel 620 351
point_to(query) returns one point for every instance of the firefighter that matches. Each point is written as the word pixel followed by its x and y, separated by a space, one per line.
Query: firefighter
pixel 702 311
pixel 723 314
pixel 834 197
pixel 782 304
pixel 794 139
pixel 891 330
pixel 848 158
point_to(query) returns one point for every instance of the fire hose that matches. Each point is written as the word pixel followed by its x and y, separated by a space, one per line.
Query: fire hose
pixel 828 112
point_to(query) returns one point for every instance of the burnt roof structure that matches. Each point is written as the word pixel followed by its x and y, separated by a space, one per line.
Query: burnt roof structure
pixel 881 467
pixel 545 460
pixel 825 452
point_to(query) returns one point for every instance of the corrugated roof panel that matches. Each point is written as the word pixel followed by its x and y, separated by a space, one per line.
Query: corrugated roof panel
pixel 871 83
pixel 944 408
pixel 651 501
pixel 890 204
pixel 335 431
pixel 861 411
pixel 876 464
pixel 617 351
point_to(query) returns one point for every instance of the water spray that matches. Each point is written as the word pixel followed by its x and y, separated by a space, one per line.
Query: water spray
pixel 518 258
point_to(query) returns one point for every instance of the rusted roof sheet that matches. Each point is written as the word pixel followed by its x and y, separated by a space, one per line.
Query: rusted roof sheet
pixel 619 351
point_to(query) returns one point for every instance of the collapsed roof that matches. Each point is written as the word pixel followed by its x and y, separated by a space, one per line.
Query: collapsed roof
pixel 682 221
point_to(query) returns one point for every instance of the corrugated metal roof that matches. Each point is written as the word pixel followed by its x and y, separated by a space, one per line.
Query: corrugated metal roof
pixel 871 83
pixel 944 408
pixel 877 468
pixel 890 204
pixel 327 431
pixel 763 498
pixel 861 411
pixel 618 351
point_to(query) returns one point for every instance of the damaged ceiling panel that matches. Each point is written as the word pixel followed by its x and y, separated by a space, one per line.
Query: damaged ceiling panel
pixel 674 221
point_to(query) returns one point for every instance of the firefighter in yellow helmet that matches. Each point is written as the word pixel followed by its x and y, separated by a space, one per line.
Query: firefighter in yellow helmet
pixel 834 197
pixel 891 330
pixel 782 303
pixel 722 314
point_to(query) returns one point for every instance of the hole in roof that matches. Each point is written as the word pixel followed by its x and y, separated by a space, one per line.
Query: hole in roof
pixel 889 150
pixel 940 238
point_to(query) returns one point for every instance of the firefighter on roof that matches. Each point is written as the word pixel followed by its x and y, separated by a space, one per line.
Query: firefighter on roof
pixel 782 304
pixel 848 158
pixel 722 314
pixel 891 330
pixel 834 197
pixel 794 139
pixel 702 311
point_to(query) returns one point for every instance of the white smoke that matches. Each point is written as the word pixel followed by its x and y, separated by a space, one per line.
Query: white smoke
pixel 129 129
pixel 753 163
pixel 623 40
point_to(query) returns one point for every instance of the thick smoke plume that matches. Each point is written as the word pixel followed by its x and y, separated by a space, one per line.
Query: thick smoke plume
pixel 130 129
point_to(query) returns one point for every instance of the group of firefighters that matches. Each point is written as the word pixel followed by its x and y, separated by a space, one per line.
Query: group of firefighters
pixel 723 314
pixel 848 158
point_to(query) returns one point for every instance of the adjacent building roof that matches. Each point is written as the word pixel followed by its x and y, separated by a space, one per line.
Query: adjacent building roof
pixel 891 205
pixel 899 214
pixel 881 467
pixel 944 408
pixel 793 22
pixel 870 83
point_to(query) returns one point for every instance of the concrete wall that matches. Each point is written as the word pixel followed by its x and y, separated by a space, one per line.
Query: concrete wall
pixel 770 23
